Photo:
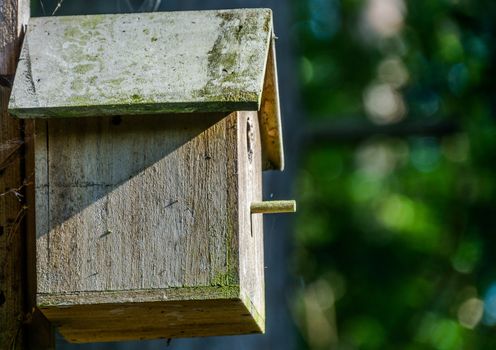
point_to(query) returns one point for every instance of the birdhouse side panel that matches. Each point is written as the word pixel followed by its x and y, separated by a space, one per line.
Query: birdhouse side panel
pixel 251 225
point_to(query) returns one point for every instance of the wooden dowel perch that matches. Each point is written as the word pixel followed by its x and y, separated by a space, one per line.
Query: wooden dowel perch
pixel 273 207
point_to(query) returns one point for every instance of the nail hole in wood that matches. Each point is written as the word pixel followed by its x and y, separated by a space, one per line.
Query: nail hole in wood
pixel 116 120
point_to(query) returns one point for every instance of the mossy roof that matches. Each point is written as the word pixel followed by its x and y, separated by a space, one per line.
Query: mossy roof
pixel 143 63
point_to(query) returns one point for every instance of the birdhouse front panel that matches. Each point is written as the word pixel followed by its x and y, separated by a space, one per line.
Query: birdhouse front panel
pixel 151 134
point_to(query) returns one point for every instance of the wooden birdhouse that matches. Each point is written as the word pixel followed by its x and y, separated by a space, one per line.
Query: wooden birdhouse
pixel 151 134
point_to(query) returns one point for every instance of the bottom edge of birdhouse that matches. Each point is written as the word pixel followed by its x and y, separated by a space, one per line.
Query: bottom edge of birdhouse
pixel 131 318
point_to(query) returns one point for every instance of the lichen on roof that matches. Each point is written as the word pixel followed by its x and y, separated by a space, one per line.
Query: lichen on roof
pixel 139 63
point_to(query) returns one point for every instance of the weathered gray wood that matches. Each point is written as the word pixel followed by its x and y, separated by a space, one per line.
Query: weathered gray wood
pixel 135 64
pixel 132 64
pixel 251 259
pixel 116 192
pixel 148 209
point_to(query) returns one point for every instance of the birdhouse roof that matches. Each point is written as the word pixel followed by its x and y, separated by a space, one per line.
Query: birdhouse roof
pixel 149 63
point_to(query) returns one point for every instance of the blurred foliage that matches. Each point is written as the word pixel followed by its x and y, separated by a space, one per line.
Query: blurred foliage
pixel 395 235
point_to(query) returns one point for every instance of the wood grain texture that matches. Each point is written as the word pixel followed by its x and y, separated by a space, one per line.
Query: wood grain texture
pixel 250 226
pixel 138 205
pixel 13 296
pixel 134 210
pixel 40 333
pixel 270 116
pixel 153 320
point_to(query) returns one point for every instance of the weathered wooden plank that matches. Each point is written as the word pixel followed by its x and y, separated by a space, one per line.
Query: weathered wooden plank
pixel 154 320
pixel 40 332
pixel 131 64
pixel 251 259
pixel 134 201
pixel 149 209
pixel 270 116
pixel 13 282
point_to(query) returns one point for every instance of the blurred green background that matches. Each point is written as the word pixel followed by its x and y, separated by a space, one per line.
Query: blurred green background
pixel 394 238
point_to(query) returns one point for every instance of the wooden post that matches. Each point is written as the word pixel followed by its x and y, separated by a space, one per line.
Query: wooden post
pixel 12 264
pixel 21 327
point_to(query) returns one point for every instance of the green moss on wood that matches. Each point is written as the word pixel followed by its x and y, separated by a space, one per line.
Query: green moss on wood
pixel 46 300
pixel 91 22
pixel 77 85
pixel 257 316
pixel 220 280
pixel 71 32
pixel 83 68
pixel 136 98
pixel 82 106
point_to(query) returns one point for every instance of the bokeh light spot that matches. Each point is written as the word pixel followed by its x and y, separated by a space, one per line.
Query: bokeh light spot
pixel 458 77
pixel 470 312
pixel 449 43
pixel 307 71
pixel 490 306
pixel 318 300
pixel 425 154
pixel 325 18
pixel 397 212
pixel 385 17
pixel 383 104
pixel 440 333
pixel 456 148
pixel 392 71
pixel 466 257
pixel 376 159
pixel 365 332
